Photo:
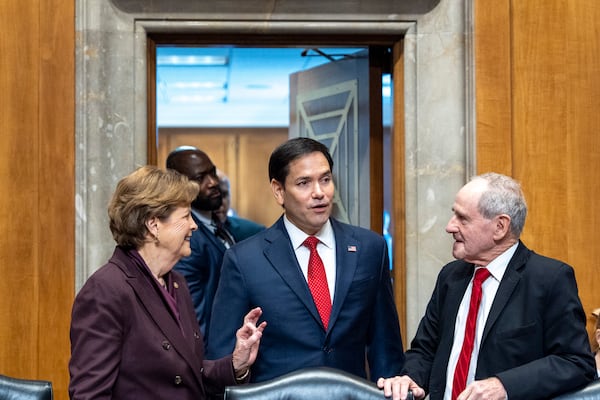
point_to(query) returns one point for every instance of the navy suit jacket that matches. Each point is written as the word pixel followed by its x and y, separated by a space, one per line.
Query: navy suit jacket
pixel 202 270
pixel 241 228
pixel 125 343
pixel 534 339
pixel 263 271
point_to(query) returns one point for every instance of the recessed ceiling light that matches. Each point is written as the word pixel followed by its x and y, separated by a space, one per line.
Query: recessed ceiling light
pixel 196 98
pixel 191 61
pixel 197 85
pixel 258 86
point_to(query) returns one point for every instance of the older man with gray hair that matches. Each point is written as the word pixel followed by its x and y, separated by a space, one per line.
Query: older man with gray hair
pixel 503 322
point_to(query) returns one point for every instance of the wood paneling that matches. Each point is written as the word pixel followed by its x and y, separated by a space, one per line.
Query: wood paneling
pixel 398 179
pixel 37 208
pixel 56 195
pixel 539 110
pixel 581 216
pixel 253 196
pixel 541 59
pixel 19 166
pixel 493 86
pixel 243 155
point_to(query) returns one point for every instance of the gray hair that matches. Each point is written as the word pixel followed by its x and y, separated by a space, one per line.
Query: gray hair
pixel 503 196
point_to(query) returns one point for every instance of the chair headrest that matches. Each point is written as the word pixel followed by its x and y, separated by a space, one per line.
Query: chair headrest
pixel 24 389
pixel 589 392
pixel 308 383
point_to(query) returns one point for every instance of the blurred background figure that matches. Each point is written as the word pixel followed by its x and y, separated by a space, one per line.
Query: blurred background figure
pixel 388 236
pixel 596 344
pixel 202 268
pixel 240 228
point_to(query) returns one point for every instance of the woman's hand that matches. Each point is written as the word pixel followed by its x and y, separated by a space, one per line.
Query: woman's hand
pixel 246 345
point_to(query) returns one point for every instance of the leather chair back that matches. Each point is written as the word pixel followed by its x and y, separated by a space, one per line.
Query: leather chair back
pixel 589 392
pixel 309 383
pixel 24 389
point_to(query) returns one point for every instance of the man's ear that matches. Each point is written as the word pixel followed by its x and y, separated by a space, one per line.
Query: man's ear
pixel 278 191
pixel 502 228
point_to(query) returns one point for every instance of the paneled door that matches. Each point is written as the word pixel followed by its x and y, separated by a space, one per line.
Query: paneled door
pixel 330 103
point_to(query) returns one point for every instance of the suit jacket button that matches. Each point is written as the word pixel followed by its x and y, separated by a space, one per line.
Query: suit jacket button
pixel 178 380
pixel 166 345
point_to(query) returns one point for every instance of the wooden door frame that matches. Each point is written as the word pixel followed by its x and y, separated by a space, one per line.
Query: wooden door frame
pixel 380 63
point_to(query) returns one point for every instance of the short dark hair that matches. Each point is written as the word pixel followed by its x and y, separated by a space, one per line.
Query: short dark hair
pixel 284 154
pixel 175 157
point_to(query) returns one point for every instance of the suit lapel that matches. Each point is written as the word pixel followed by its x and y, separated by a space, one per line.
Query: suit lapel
pixel 282 258
pixel 347 249
pixel 460 274
pixel 508 284
pixel 159 313
pixel 457 288
pixel 208 234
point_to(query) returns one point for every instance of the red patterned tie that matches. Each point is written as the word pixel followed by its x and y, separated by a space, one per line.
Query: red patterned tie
pixel 464 359
pixel 317 280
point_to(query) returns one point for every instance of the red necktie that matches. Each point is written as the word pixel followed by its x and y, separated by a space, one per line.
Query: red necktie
pixel 464 359
pixel 317 281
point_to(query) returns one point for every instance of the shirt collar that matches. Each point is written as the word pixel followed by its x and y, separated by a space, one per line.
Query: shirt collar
pixel 498 265
pixel 297 236
pixel 202 218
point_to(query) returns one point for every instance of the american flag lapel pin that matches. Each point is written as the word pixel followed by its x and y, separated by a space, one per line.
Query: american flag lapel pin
pixel 352 249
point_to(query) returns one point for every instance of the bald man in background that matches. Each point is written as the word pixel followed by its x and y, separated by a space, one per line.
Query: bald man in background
pixel 202 269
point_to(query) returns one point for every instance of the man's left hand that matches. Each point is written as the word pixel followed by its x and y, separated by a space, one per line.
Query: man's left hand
pixel 486 389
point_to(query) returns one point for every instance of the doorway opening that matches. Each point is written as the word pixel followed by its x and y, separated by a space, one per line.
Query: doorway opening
pixel 234 102
pixel 232 97
pixel 240 141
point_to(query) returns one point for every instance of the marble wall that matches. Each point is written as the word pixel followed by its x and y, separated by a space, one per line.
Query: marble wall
pixel 111 104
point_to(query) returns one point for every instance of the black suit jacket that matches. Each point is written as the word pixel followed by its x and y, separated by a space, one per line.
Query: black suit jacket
pixel 202 270
pixel 534 340
pixel 363 326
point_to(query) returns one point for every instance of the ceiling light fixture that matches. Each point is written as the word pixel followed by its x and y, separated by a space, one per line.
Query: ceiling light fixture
pixel 197 85
pixel 191 61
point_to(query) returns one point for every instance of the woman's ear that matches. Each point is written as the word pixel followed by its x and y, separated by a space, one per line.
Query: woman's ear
pixel 152 226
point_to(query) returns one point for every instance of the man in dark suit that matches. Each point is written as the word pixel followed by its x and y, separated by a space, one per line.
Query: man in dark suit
pixel 357 329
pixel 240 228
pixel 202 268
pixel 530 339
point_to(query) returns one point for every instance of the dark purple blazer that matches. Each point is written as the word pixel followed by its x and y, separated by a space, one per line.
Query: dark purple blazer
pixel 126 343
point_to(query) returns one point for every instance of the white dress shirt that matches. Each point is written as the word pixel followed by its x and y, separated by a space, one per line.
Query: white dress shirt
pixel 325 248
pixel 210 225
pixel 489 288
